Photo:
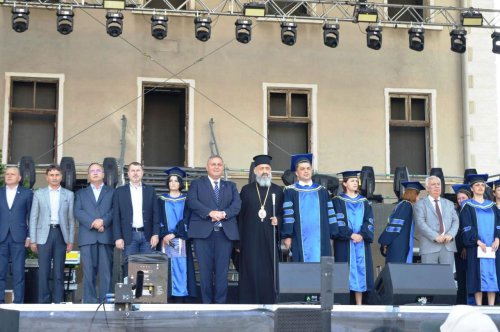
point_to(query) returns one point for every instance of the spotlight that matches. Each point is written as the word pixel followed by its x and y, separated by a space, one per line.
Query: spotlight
pixel 243 30
pixel 202 28
pixel 416 38
pixel 471 18
pixel 288 33
pixel 255 9
pixel 114 23
pixel 20 19
pixel 331 35
pixel 366 14
pixel 159 26
pixel 65 21
pixel 495 36
pixel 458 40
pixel 113 4
pixel 374 37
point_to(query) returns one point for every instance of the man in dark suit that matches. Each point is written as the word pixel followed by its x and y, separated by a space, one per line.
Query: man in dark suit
pixel 15 205
pixel 52 233
pixel 135 216
pixel 214 205
pixel 94 211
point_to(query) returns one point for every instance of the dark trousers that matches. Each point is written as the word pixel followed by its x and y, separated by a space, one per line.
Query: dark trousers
pixel 14 252
pixel 97 260
pixel 54 250
pixel 138 245
pixel 213 255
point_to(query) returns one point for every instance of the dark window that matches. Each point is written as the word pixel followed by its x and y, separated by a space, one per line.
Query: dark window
pixel 406 14
pixel 288 125
pixel 409 133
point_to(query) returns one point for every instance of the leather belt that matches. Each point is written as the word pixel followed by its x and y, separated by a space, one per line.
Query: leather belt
pixel 217 228
pixel 139 229
pixel 54 226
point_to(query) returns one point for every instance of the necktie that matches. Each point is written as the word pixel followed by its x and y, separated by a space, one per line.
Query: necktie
pixel 440 217
pixel 216 192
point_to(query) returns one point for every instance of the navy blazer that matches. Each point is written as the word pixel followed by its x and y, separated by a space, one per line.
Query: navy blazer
pixel 201 200
pixel 87 210
pixel 123 213
pixel 15 219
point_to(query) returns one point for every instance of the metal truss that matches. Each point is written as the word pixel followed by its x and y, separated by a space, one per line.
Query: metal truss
pixel 293 10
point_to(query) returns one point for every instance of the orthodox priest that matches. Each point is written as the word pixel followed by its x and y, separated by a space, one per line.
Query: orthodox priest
pixel 260 215
pixel 309 220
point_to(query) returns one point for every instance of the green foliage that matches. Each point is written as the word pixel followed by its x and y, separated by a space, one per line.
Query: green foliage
pixel 2 169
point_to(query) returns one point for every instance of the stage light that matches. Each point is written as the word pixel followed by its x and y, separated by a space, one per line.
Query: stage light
pixel 374 37
pixel 331 35
pixel 471 18
pixel 288 33
pixel 495 37
pixel 366 14
pixel 416 38
pixel 114 23
pixel 65 21
pixel 20 19
pixel 243 30
pixel 202 28
pixel 458 40
pixel 159 26
pixel 254 9
pixel 114 4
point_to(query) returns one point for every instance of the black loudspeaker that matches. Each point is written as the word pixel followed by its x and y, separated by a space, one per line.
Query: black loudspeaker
pixel 297 320
pixel 438 171
pixel 110 171
pixel 400 175
pixel 251 174
pixel 301 282
pixel 288 177
pixel 68 172
pixel 469 171
pixel 400 284
pixel 27 170
pixel 331 183
pixel 367 181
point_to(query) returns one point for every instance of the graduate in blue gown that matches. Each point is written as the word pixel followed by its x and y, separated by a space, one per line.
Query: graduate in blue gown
pixel 308 216
pixel 481 231
pixel 356 227
pixel 396 241
pixel 173 234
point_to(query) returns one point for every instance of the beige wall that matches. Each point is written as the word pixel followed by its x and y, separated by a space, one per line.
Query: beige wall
pixel 101 75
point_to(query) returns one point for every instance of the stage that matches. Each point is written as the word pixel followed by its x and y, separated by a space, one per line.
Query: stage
pixel 241 318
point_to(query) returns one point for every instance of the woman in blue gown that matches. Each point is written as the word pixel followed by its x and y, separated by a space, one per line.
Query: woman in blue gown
pixel 173 231
pixel 481 232
pixel 396 241
pixel 355 233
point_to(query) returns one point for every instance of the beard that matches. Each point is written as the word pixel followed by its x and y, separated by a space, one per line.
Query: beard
pixel 264 180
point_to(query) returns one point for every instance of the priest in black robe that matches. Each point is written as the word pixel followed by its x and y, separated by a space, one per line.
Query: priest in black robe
pixel 259 235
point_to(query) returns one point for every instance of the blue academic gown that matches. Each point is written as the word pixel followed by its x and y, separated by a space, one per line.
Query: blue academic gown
pixel 309 219
pixel 480 221
pixel 355 215
pixel 181 275
pixel 398 234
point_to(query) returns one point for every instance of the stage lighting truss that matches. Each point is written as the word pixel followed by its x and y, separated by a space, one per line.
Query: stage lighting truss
pixel 243 30
pixel 159 27
pixel 471 18
pixel 416 38
pixel 255 9
pixel 288 33
pixel 374 37
pixel 202 28
pixel 458 40
pixel 65 20
pixel 331 34
pixel 114 23
pixel 20 19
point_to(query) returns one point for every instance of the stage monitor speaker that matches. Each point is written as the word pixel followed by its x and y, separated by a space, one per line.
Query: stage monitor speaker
pixel 301 282
pixel 469 171
pixel 68 172
pixel 155 280
pixel 331 183
pixel 400 175
pixel 297 320
pixel 438 171
pixel 400 284
pixel 288 177
pixel 367 181
pixel 27 170
pixel 110 171
pixel 251 174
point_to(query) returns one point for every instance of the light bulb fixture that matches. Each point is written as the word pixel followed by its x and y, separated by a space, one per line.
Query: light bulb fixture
pixel 243 30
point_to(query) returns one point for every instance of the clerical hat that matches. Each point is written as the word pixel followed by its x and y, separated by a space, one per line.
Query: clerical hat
pixel 262 159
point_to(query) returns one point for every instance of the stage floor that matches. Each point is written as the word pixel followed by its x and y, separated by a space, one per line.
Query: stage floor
pixel 198 317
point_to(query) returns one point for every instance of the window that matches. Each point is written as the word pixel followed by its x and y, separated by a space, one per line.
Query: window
pixel 289 124
pixel 408 14
pixel 32 120
pixel 409 128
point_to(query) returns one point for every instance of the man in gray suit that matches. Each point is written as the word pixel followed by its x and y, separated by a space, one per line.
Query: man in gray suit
pixel 94 211
pixel 52 231
pixel 437 223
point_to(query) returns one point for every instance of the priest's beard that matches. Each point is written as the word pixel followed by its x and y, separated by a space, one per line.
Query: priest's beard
pixel 264 180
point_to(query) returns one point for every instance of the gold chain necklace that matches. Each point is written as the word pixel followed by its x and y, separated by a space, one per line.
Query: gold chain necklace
pixel 262 211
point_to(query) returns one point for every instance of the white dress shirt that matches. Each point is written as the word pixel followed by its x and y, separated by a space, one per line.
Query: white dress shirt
pixel 54 197
pixel 11 195
pixel 96 191
pixel 308 183
pixel 212 181
pixel 136 196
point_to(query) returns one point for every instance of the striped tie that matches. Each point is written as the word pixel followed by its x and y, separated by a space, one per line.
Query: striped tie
pixel 216 193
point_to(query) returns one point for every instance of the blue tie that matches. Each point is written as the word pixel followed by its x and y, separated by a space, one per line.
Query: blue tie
pixel 216 193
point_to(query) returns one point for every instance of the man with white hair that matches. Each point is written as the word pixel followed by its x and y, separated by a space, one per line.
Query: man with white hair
pixel 437 223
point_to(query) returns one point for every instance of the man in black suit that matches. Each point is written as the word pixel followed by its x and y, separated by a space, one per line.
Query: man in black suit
pixel 135 216
pixel 214 205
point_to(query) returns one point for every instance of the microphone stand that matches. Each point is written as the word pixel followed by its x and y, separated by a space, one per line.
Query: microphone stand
pixel 274 247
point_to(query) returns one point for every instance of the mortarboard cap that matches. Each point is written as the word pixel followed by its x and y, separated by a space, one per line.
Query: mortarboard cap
pixel 349 174
pixel 176 171
pixel 300 158
pixel 461 188
pixel 412 185
pixel 473 178
pixel 262 159
pixel 494 184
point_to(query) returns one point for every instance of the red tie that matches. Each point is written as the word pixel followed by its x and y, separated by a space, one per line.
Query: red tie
pixel 440 217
